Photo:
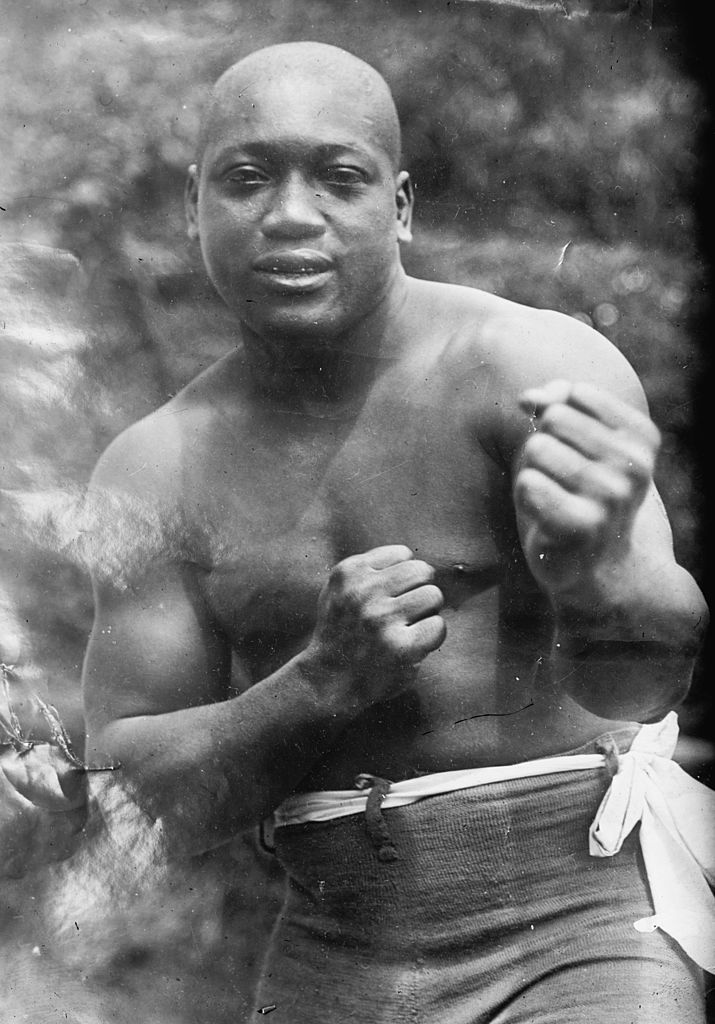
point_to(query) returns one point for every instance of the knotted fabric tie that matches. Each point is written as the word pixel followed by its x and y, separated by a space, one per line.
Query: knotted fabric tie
pixel 677 837
pixel 375 823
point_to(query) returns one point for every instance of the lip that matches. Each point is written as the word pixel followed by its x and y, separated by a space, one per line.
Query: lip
pixel 294 271
pixel 293 262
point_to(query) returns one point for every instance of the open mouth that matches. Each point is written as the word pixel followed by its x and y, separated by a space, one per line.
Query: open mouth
pixel 294 270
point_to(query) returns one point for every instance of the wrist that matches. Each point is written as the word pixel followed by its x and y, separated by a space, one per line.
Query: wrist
pixel 330 682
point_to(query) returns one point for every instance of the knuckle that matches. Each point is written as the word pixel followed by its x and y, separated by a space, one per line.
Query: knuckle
pixel 654 436
pixel 644 463
pixel 343 594
pixel 639 461
pixel 402 551
pixel 340 574
pixel 614 486
pixel 431 632
pixel 582 391
pixel 527 486
pixel 348 573
pixel 394 638
pixel 619 489
pixel 594 518
pixel 536 447
pixel 423 570
pixel 643 425
pixel 552 418
pixel 440 629
pixel 353 598
pixel 642 432
pixel 433 595
pixel 374 613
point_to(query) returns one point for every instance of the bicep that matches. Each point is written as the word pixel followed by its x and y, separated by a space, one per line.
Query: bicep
pixel 153 649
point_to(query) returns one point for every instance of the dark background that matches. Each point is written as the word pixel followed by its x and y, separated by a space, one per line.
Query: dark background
pixel 560 161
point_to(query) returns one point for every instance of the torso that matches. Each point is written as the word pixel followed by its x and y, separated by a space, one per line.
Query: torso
pixel 278 499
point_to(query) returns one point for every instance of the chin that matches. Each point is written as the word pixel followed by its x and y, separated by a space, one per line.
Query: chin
pixel 299 324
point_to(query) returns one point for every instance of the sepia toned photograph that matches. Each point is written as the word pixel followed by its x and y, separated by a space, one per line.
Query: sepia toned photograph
pixel 355 658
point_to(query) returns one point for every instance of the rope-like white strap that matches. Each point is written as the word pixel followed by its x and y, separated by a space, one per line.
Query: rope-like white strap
pixel 337 803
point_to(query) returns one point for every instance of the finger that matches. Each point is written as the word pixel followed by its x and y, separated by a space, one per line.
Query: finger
pixel 382 557
pixel 633 448
pixel 557 511
pixel 398 579
pixel 577 429
pixel 614 412
pixel 535 400
pixel 423 636
pixel 577 473
pixel 594 402
pixel 419 604
pixel 584 396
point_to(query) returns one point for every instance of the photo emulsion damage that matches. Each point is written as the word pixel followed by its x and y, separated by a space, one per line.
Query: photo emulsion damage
pixel 354 589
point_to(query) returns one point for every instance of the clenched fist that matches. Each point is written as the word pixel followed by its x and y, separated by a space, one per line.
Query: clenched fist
pixel 378 617
pixel 582 478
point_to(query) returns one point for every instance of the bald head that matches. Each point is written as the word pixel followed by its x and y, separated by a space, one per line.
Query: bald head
pixel 342 80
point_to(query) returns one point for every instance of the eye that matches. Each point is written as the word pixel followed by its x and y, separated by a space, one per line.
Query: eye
pixel 246 175
pixel 341 176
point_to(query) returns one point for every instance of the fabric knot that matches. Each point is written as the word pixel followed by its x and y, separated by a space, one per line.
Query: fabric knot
pixel 676 815
pixel 606 745
pixel 375 824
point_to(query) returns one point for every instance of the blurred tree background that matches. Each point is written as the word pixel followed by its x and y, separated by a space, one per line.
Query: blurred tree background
pixel 556 160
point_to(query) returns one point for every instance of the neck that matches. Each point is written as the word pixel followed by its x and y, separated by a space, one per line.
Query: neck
pixel 329 376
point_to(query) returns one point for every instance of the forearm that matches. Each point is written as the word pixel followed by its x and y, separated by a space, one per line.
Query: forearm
pixel 212 770
pixel 626 649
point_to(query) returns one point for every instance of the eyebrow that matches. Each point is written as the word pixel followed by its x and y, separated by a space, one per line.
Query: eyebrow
pixel 277 150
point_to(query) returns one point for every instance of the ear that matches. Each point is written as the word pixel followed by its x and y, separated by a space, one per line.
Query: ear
pixel 405 199
pixel 191 200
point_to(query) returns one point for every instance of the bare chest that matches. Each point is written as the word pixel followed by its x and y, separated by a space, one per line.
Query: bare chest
pixel 294 499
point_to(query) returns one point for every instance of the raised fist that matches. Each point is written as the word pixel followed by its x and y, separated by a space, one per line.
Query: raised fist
pixel 378 617
pixel 583 475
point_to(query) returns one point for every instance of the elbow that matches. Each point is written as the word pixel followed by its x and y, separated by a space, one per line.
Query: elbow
pixel 121 773
pixel 642 687
pixel 683 622
pixel 696 629
pixel 153 787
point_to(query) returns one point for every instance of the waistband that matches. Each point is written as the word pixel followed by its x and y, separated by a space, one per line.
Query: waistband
pixel 337 803
pixel 676 815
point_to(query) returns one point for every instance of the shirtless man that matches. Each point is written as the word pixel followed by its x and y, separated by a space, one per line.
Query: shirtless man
pixel 412 528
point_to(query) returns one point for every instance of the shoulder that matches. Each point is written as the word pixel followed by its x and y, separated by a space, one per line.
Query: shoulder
pixel 142 496
pixel 148 455
pixel 504 347
pixel 525 343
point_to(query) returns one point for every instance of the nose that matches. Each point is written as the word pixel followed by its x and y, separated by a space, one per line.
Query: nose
pixel 294 213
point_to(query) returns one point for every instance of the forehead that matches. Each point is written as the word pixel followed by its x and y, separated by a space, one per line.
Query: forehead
pixel 299 110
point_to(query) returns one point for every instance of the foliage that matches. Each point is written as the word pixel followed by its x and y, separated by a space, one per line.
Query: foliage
pixel 511 120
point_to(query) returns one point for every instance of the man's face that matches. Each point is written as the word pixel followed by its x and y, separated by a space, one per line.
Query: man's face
pixel 298 209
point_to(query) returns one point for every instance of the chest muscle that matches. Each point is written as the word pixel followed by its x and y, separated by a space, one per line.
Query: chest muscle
pixel 289 510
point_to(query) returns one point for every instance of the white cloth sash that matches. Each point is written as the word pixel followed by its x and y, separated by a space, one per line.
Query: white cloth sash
pixel 677 837
pixel 675 811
